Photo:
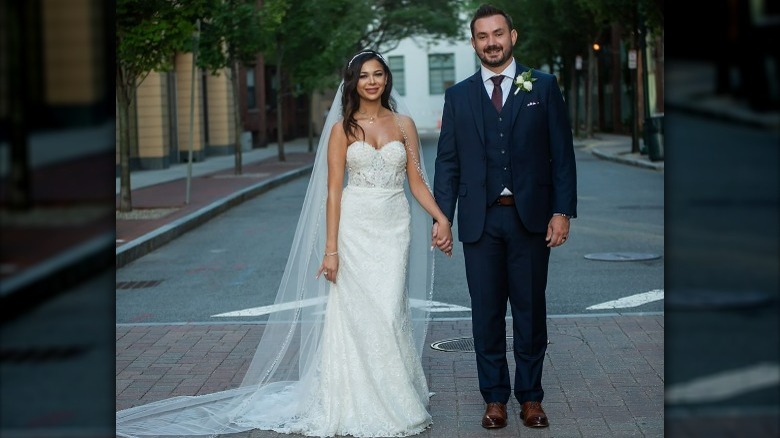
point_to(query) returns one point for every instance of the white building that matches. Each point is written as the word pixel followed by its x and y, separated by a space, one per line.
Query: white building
pixel 422 70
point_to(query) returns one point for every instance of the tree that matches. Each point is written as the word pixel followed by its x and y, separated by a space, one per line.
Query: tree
pixel 230 38
pixel 310 44
pixel 148 34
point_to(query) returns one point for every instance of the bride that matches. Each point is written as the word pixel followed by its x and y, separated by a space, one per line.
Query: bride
pixel 345 358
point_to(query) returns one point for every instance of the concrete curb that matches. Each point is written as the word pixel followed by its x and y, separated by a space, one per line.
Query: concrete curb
pixel 149 242
pixel 627 160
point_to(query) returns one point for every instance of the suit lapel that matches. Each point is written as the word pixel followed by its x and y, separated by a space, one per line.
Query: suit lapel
pixel 520 97
pixel 476 89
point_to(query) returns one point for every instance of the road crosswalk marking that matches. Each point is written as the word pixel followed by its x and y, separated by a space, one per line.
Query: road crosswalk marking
pixel 631 301
pixel 431 306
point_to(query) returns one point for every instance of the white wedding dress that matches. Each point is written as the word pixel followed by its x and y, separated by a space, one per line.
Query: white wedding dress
pixel 369 381
pixel 366 377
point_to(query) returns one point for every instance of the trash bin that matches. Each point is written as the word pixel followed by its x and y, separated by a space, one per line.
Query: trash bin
pixel 654 137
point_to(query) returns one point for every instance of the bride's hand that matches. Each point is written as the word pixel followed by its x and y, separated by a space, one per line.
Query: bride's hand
pixel 443 238
pixel 329 268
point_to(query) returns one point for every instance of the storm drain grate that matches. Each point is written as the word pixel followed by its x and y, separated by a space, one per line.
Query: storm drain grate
pixel 144 284
pixel 464 345
pixel 46 354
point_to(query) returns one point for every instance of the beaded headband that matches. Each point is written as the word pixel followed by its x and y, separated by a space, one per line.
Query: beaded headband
pixel 384 61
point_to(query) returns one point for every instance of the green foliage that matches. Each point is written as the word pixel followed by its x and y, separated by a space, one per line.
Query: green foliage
pixel 560 29
pixel 315 38
pixel 230 32
pixel 150 32
pixel 395 20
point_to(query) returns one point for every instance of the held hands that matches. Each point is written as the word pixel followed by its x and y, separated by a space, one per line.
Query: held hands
pixel 441 237
pixel 329 267
pixel 557 231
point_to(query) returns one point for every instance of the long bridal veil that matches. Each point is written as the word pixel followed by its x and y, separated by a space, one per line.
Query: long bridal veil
pixel 289 346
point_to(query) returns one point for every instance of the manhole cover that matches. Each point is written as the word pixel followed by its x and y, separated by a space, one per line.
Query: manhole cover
pixel 622 256
pixel 716 300
pixel 464 345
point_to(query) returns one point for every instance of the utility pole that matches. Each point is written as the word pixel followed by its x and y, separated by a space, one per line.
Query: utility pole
pixel 634 102
pixel 195 42
pixel 592 72
pixel 577 70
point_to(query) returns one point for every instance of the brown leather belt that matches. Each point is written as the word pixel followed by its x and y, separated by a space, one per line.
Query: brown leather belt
pixel 505 200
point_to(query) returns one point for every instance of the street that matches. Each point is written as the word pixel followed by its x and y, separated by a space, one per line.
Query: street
pixel 234 262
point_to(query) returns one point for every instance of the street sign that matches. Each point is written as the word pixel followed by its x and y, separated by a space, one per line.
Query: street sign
pixel 632 59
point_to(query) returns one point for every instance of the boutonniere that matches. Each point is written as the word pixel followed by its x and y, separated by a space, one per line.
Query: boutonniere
pixel 524 81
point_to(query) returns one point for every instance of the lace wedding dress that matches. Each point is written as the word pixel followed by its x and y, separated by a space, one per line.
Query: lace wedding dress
pixel 369 381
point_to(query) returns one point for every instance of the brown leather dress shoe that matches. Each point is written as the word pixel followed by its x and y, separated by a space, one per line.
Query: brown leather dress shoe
pixel 533 415
pixel 495 416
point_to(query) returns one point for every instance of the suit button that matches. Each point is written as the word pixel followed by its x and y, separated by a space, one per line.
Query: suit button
pixel 503 151
pixel 501 135
pixel 500 119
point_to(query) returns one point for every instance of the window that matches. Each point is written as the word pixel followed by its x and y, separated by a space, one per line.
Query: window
pixel 399 75
pixel 251 102
pixel 441 71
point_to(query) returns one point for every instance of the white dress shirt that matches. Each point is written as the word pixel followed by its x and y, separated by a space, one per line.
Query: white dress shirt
pixel 509 73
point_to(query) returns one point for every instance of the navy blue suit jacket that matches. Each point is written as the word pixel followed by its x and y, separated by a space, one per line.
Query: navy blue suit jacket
pixel 541 154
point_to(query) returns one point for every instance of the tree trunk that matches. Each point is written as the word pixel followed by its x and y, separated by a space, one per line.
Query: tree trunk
pixel 311 121
pixel 574 100
pixel 124 96
pixel 279 105
pixel 617 122
pixel 237 111
pixel 589 94
pixel 20 195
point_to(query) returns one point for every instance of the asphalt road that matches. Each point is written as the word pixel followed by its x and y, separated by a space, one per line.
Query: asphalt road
pixel 235 261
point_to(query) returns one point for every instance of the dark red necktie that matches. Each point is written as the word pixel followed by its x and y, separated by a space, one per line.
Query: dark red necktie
pixel 496 96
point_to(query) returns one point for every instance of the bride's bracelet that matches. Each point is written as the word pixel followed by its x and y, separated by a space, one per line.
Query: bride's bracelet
pixel 332 253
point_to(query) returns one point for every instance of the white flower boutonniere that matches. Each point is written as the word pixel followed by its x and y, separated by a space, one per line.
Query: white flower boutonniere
pixel 524 81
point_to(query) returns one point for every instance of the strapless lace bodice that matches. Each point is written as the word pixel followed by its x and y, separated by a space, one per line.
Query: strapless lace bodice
pixel 382 168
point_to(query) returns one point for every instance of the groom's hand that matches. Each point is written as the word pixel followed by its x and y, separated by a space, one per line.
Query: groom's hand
pixel 557 231
pixel 441 237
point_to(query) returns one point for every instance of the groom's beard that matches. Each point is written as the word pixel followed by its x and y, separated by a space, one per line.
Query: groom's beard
pixel 498 62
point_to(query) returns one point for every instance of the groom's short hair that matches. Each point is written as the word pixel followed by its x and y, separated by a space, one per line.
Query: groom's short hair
pixel 488 10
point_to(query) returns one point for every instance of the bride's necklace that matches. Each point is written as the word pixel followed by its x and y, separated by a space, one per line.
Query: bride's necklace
pixel 370 118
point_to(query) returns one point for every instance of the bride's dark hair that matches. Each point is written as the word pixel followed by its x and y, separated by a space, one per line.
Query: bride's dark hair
pixel 350 99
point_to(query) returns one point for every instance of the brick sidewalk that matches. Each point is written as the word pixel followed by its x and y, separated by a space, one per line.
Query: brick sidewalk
pixel 603 375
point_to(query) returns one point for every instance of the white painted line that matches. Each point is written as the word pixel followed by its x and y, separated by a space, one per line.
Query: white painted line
pixel 434 306
pixel 724 385
pixel 265 310
pixel 437 307
pixel 631 301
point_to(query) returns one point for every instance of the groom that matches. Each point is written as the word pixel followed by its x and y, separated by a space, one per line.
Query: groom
pixel 505 157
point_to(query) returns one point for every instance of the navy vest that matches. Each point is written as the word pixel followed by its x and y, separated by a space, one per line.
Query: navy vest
pixel 497 132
